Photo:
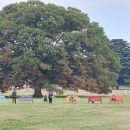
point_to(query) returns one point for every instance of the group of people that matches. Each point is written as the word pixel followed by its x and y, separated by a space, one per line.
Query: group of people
pixel 48 97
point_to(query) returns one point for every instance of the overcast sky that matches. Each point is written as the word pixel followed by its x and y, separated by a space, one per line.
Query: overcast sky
pixel 112 15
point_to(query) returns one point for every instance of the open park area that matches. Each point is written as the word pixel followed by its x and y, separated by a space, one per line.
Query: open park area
pixel 61 115
pixel 61 69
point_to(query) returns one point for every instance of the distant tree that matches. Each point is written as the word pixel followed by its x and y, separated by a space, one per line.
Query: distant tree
pixel 122 48
pixel 60 46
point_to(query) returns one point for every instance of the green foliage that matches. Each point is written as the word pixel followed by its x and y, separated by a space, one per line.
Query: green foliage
pixel 57 45
pixel 122 49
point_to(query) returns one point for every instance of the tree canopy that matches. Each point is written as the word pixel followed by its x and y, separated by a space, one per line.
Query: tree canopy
pixel 48 43
pixel 122 48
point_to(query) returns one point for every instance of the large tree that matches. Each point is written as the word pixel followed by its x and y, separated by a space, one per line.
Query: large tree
pixel 51 44
pixel 122 48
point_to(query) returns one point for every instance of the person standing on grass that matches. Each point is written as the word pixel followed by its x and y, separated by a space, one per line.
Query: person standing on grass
pixel 71 98
pixel 113 98
pixel 45 97
pixel 50 96
pixel 124 92
pixel 14 96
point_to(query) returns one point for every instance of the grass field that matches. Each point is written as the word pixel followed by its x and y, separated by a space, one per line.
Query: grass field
pixel 63 116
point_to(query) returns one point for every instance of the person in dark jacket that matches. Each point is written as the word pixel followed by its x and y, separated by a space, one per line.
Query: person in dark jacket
pixel 50 96
pixel 14 96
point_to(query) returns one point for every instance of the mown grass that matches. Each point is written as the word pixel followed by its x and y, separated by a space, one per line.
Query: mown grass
pixel 63 116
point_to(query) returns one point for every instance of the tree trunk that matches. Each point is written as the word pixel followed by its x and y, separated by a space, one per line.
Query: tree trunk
pixel 37 92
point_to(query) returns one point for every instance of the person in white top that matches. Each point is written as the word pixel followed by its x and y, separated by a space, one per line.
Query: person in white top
pixel 124 92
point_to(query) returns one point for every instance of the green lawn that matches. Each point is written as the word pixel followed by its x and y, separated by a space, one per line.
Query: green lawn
pixel 63 116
